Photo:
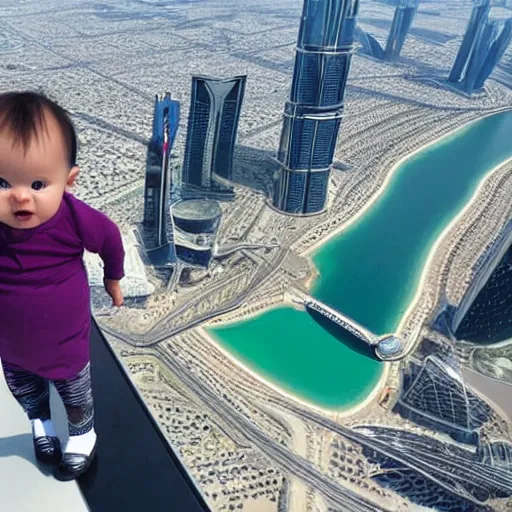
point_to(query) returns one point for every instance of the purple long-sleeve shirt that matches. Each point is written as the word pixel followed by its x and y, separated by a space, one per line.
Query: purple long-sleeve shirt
pixel 45 314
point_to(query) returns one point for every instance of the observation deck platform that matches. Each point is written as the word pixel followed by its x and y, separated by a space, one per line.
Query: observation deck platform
pixel 135 468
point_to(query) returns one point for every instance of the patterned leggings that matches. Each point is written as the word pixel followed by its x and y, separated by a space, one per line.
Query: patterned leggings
pixel 33 394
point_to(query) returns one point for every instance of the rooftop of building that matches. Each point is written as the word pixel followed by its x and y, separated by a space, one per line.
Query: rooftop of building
pixel 196 209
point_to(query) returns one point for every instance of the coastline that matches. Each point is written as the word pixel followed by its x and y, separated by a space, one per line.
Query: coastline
pixel 440 239
pixel 340 413
pixel 234 320
pixel 310 281
pixel 308 253
pixel 317 245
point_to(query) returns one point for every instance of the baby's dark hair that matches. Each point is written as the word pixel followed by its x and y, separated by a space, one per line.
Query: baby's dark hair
pixel 22 113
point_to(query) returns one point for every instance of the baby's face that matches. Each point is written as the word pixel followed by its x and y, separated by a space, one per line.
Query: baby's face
pixel 32 184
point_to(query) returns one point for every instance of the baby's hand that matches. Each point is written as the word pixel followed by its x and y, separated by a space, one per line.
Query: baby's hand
pixel 113 288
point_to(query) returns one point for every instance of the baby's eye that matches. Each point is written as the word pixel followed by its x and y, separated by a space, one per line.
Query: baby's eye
pixel 38 185
pixel 3 184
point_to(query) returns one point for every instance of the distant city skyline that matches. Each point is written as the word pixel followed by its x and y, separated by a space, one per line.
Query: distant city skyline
pixel 368 393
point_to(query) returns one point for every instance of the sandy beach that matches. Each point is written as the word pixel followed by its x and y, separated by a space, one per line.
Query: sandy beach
pixel 306 249
pixel 458 219
pixel 409 318
pixel 339 413
pixel 450 268
pixel 391 174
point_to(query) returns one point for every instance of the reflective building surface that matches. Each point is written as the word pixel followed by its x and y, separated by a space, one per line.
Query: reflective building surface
pixel 215 106
pixel 368 43
pixel 490 317
pixel 356 360
pixel 482 47
pixel 402 21
pixel 158 232
pixel 432 473
pixel 196 223
pixel 312 116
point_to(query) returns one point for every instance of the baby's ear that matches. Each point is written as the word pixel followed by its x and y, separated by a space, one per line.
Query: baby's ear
pixel 73 173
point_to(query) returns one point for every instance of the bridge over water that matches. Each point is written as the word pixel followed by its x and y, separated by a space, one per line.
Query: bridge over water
pixel 387 347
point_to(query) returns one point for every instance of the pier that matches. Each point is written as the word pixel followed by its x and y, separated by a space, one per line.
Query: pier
pixel 387 348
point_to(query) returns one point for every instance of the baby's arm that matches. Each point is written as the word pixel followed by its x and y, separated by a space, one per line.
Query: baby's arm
pixel 101 236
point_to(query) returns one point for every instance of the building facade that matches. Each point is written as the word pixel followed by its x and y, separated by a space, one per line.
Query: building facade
pixel 312 116
pixel 435 396
pixel 482 47
pixel 368 44
pixel 402 21
pixel 479 16
pixel 158 228
pixel 496 52
pixel 489 320
pixel 215 106
pixel 196 223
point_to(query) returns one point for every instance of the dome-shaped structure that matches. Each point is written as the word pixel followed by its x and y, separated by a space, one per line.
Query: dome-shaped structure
pixel 388 347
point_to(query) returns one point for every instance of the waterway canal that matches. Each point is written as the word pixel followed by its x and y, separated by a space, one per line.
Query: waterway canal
pixel 370 271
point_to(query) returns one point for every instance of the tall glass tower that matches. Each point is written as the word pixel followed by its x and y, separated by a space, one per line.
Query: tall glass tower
pixel 402 21
pixel 482 48
pixel 479 54
pixel 498 48
pixel 479 17
pixel 158 229
pixel 312 116
pixel 215 106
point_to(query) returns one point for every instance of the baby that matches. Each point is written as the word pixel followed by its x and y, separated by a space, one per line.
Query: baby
pixel 44 293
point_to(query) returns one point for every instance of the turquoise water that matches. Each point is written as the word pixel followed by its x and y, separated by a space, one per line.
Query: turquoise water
pixel 370 271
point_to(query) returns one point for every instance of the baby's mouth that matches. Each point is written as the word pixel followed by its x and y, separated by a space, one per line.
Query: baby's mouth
pixel 23 214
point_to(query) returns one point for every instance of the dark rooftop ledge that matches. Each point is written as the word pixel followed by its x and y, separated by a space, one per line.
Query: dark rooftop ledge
pixel 135 469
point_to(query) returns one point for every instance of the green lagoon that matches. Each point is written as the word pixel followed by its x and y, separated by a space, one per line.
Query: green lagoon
pixel 370 271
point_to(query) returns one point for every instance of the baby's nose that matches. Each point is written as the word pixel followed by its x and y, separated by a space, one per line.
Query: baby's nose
pixel 20 194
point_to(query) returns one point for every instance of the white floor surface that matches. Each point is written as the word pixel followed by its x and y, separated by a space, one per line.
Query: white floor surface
pixel 24 487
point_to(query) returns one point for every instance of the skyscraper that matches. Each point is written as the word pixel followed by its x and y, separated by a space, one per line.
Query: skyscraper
pixel 313 113
pixel 495 54
pixel 402 21
pixel 479 53
pixel 479 16
pixel 159 239
pixel 215 106
pixel 482 48
pixel 489 318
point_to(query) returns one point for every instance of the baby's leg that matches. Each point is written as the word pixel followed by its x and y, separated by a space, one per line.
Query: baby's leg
pixel 32 393
pixel 76 393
